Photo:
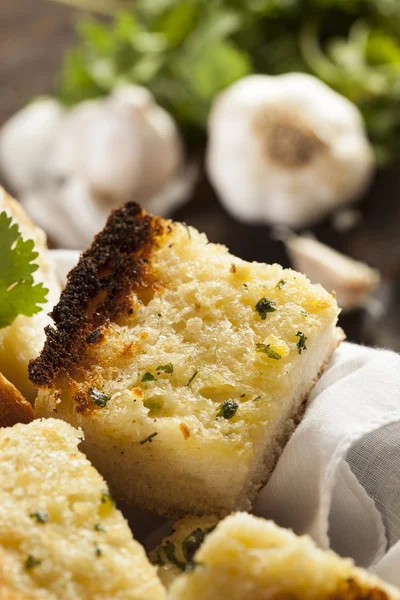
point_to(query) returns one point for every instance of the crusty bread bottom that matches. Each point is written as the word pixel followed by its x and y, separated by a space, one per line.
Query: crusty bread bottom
pixel 162 487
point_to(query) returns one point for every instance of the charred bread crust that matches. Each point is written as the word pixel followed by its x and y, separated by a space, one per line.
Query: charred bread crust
pixel 13 406
pixel 98 289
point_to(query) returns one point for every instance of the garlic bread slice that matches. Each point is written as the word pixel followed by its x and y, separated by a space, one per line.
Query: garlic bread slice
pixel 186 367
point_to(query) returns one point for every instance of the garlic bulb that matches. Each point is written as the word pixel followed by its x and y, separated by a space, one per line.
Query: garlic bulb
pixel 70 168
pixel 26 141
pixel 124 147
pixel 286 149
pixel 353 281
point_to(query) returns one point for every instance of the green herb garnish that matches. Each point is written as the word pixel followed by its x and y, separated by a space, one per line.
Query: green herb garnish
pixel 266 349
pixel 192 543
pixel 98 551
pixel 305 313
pixel 99 398
pixel 159 558
pixel 32 562
pixel 169 368
pixel 106 498
pixel 148 377
pixel 169 549
pixel 149 438
pixel 18 293
pixel 258 398
pixel 40 516
pixel 264 306
pixel 99 527
pixel 191 378
pixel 301 344
pixel 227 409
pixel 280 284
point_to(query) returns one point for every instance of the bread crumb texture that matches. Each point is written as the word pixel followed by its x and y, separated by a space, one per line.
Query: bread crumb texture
pixel 247 558
pixel 60 533
pixel 24 339
pixel 191 362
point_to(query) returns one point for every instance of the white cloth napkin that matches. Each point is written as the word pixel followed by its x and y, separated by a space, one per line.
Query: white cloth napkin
pixel 338 478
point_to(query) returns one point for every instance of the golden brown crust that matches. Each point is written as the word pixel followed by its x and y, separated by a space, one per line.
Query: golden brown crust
pixel 13 406
pixel 98 290
pixel 352 589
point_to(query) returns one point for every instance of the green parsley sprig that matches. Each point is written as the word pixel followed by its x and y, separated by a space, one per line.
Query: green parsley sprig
pixel 19 295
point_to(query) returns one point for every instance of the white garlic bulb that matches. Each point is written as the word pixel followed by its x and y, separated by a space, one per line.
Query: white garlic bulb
pixel 352 281
pixel 26 141
pixel 70 168
pixel 286 149
pixel 124 147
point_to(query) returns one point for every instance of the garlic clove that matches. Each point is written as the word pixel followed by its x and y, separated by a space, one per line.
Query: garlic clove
pixel 25 140
pixel 353 281
pixel 286 149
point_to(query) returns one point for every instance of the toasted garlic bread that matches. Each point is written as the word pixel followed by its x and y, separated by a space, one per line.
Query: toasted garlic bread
pixel 186 367
pixel 247 558
pixel 13 406
pixel 60 533
pixel 176 551
pixel 23 340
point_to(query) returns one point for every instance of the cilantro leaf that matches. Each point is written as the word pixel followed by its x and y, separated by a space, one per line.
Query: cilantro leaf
pixel 18 293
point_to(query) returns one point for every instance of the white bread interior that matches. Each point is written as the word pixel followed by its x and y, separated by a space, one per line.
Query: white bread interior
pixel 60 533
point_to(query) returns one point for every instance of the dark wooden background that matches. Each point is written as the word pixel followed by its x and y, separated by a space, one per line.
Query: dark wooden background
pixel 33 37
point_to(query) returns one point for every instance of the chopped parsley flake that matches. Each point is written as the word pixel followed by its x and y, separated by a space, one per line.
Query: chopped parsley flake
pixel 301 344
pixel 280 284
pixel 169 368
pixel 305 313
pixel 32 562
pixel 191 379
pixel 99 527
pixel 99 398
pixel 264 306
pixel 266 349
pixel 192 543
pixel 106 498
pixel 169 549
pixel 258 398
pixel 40 516
pixel 149 438
pixel 98 551
pixel 148 377
pixel 159 558
pixel 227 409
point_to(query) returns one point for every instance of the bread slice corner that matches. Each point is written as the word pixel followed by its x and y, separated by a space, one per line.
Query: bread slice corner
pixel 13 406
pixel 248 558
pixel 61 535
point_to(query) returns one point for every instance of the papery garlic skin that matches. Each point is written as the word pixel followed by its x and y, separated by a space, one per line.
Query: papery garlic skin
pixel 286 149
pixel 124 146
pixel 352 281
pixel 26 141
pixel 71 167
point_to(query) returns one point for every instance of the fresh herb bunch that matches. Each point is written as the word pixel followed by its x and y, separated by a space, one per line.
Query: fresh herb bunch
pixel 186 51
pixel 18 293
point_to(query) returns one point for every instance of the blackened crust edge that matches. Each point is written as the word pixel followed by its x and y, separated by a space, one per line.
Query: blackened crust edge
pixel 97 289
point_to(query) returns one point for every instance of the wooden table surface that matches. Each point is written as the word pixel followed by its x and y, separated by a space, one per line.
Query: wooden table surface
pixel 33 37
